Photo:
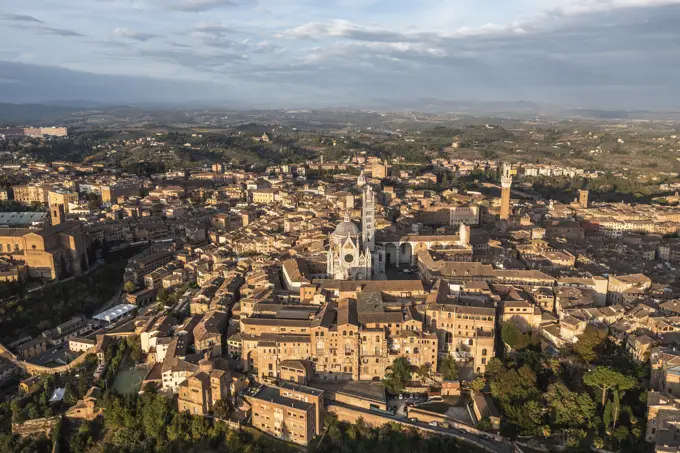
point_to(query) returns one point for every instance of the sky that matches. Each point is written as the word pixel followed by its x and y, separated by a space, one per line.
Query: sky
pixel 589 53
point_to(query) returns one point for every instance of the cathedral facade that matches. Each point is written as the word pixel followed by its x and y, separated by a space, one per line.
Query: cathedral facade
pixel 351 254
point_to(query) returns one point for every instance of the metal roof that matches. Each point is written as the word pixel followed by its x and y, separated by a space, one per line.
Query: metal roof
pixel 114 313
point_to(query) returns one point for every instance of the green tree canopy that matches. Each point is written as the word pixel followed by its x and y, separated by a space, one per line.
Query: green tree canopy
pixel 568 408
pixel 399 375
pixel 514 337
pixel 129 287
pixel 604 379
pixel 449 368
pixel 590 342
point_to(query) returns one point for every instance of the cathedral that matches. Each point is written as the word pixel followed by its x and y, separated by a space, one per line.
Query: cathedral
pixel 351 253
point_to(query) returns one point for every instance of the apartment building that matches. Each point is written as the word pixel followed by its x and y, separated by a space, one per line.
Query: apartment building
pixel 142 264
pixel 464 331
pixel 31 194
pixel 199 392
pixel 61 197
pixel 623 287
pixel 111 193
pixel 351 339
pixel 265 196
pixel 291 412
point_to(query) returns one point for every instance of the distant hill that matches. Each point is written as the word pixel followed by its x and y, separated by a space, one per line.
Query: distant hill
pixel 34 114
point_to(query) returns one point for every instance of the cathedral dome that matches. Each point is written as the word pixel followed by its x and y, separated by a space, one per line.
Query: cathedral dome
pixel 347 228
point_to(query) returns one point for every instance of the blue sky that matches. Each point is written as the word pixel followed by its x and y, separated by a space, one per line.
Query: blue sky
pixel 605 53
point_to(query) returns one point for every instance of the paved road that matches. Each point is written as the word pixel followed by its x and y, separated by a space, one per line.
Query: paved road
pixel 490 445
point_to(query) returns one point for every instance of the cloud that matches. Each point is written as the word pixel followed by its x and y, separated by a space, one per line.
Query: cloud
pixel 61 32
pixel 212 27
pixel 344 29
pixel 20 18
pixel 197 5
pixel 134 35
pixel 596 53
pixel 25 22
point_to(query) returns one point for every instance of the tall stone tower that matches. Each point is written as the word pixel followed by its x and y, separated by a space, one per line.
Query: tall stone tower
pixel 463 235
pixel 583 198
pixel 368 218
pixel 57 214
pixel 506 183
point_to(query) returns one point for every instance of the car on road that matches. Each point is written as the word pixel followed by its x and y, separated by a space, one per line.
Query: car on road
pixel 461 431
pixel 432 423
pixel 413 420
pixel 485 437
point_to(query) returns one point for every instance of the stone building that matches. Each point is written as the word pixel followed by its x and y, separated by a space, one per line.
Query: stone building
pixel 199 392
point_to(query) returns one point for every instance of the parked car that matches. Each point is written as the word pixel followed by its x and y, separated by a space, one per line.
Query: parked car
pixel 413 420
pixel 432 423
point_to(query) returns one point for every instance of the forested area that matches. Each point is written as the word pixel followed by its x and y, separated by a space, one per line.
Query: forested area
pixel 590 394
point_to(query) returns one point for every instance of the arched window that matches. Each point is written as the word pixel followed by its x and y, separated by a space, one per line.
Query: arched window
pixel 483 351
pixel 470 342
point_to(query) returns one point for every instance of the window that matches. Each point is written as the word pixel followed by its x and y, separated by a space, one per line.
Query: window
pixel 483 351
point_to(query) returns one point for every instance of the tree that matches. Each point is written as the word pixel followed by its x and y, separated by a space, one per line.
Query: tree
pixel 478 384
pixel 514 337
pixel 129 287
pixel 449 368
pixel 616 406
pixel 528 417
pixel 589 342
pixel 330 419
pixel 163 294
pixel 135 345
pixel 514 385
pixel 223 408
pixel 494 366
pixel 568 408
pixel 424 372
pixel 604 378
pixel 484 424
pixel 399 375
